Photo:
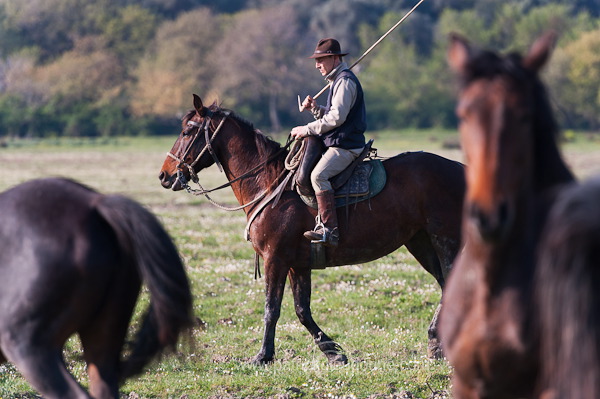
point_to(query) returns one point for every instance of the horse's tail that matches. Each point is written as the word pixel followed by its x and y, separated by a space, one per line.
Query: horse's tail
pixel 145 242
pixel 569 297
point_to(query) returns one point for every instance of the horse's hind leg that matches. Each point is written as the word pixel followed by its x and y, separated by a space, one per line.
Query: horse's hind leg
pixel 300 281
pixel 421 247
pixel 102 348
pixel 102 359
pixel 102 340
pixel 434 346
pixel 43 367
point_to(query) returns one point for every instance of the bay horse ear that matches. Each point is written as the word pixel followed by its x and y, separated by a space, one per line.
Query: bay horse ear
pixel 459 54
pixel 540 51
pixel 198 106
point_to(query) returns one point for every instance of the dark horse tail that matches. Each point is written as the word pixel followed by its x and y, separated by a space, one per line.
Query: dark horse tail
pixel 569 294
pixel 147 245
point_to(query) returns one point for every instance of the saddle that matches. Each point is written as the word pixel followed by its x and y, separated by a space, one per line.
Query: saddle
pixel 356 183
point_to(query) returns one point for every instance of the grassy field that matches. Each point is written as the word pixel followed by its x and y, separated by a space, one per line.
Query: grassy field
pixel 378 312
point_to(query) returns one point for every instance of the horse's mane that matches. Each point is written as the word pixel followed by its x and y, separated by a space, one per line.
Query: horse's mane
pixel 263 142
pixel 266 146
pixel 549 167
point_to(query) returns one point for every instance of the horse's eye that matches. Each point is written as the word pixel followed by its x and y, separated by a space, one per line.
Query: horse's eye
pixel 190 127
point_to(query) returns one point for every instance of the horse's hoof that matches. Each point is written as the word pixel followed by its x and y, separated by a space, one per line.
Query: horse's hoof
pixel 434 349
pixel 338 359
pixel 334 352
pixel 260 361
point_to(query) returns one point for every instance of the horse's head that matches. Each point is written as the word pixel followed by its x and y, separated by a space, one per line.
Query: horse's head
pixel 192 150
pixel 497 118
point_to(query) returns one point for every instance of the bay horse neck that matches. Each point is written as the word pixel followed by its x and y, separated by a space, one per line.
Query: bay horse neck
pixel 240 148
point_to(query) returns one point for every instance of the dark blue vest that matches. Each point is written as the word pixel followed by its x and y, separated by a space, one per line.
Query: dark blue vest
pixel 349 134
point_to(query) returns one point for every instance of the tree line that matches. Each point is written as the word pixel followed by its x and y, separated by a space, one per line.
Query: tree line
pixel 129 67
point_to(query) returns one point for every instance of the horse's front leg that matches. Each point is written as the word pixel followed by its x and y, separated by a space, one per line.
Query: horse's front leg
pixel 300 281
pixel 275 275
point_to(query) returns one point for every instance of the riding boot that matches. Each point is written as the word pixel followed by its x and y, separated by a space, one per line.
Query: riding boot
pixel 326 231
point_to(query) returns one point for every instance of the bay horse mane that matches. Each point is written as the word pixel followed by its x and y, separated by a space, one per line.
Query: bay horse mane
pixel 266 146
pixel 548 164
pixel 264 143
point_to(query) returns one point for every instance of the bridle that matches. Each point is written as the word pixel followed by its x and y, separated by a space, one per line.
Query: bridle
pixel 209 138
pixel 204 127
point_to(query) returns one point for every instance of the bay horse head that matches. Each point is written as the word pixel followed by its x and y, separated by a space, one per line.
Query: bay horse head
pixel 498 120
pixel 193 150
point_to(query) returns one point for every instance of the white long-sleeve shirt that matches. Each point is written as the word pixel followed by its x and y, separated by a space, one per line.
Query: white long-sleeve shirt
pixel 344 96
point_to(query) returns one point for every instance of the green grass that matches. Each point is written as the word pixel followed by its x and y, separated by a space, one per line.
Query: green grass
pixel 378 312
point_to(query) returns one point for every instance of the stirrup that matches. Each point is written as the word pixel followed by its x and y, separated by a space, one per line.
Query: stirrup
pixel 323 235
pixel 319 224
pixel 316 235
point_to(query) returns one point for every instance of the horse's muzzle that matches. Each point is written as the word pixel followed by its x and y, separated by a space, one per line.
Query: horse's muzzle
pixel 170 181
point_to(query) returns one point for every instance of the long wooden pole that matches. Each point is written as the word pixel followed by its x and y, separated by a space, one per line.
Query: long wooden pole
pixel 301 108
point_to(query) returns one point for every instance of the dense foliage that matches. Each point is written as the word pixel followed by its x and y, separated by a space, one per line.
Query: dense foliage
pixel 123 67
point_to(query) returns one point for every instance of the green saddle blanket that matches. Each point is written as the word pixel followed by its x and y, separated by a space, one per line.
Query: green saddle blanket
pixel 367 181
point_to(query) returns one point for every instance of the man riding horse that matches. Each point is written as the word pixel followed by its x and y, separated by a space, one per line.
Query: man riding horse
pixel 340 125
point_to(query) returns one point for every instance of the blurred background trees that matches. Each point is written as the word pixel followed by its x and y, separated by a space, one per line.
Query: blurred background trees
pixel 122 67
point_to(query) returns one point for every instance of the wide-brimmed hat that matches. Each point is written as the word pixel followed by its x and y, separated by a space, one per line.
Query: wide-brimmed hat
pixel 327 47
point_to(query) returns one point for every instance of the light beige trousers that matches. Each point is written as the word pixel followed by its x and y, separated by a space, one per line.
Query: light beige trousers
pixel 332 162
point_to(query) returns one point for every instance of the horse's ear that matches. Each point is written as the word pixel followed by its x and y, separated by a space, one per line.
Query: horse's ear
pixel 459 54
pixel 540 51
pixel 198 106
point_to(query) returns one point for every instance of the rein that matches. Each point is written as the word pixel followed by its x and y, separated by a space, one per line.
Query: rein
pixel 208 147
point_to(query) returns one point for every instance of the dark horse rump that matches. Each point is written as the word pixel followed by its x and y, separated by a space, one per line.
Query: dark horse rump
pixel 72 261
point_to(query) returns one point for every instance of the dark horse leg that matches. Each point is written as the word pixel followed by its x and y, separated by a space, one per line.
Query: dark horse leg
pixel 103 339
pixel 274 287
pixel 438 264
pixel 300 281
pixel 41 363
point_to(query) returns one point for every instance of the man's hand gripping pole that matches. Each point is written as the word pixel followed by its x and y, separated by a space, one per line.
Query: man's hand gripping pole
pixel 301 107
